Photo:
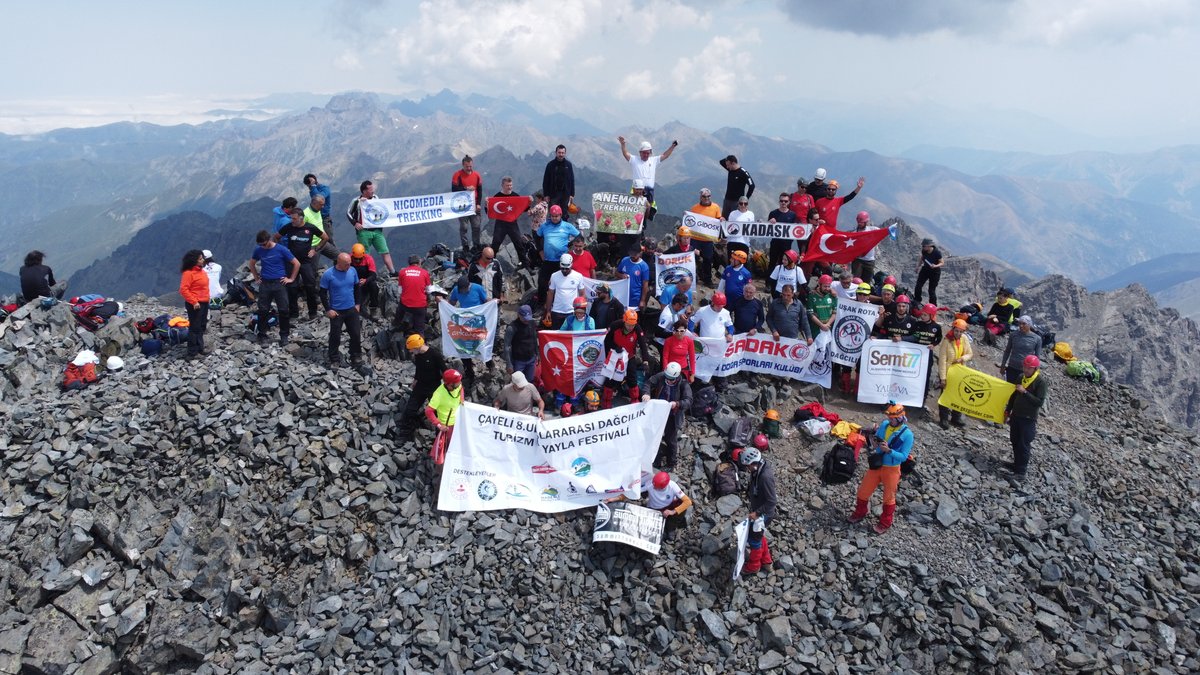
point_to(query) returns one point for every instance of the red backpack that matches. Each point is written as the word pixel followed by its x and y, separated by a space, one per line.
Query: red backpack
pixel 78 377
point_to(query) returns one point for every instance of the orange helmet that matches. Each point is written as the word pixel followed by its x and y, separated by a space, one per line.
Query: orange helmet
pixel 895 410
pixel 772 414
pixel 358 251
pixel 631 317
pixel 572 208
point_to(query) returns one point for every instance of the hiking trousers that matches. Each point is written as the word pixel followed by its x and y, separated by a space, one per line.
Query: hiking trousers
pixel 933 276
pixel 888 476
pixel 273 290
pixel 197 324
pixel 501 230
pixel 352 320
pixel 1021 432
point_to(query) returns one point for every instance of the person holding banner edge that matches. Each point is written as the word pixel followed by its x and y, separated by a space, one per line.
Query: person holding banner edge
pixel 670 386
pixel 464 180
pixel 783 214
pixel 1021 413
pixel 955 348
pixel 625 336
pixel 705 249
pixel 665 496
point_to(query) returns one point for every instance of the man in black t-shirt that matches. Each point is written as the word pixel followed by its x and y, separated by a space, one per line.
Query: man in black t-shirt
pixel 929 268
pixel 738 185
pixel 297 236
pixel 783 214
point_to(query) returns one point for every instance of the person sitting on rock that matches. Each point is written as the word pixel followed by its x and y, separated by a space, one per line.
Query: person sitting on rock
pixel 670 386
pixel 762 500
pixel 665 496
pixel 521 397
pixel 429 366
pixel 1001 315
pixel 890 447
pixel 954 349
pixel 442 410
pixel 627 337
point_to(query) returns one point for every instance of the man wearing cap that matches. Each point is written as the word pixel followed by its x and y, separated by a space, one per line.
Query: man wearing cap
pixel 735 276
pixel 582 260
pixel 863 267
pixel 954 349
pixel 1022 343
pixel 830 204
pixel 521 397
pixel 643 167
pixel 713 320
pixel 743 214
pixel 366 295
pixel 338 286
pixel 822 305
pixel 298 237
pixel 816 187
pixel 1021 413
pixel 562 290
pixel 788 318
pixel 625 336
pixel 558 180
pixel 929 269
pixel 704 249
pixel 369 237
pixel 633 268
pixel 521 343
pixel 783 214
pixel 747 310
pixel 412 311
pixel 556 235
pixel 486 272
pixel 429 366
pixel 467 179
pixel 670 386
pixel 213 270
pixel 1001 315
pixel 605 308
pixel 738 183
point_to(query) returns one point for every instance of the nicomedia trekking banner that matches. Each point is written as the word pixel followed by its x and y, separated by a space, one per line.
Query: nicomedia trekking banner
pixel 399 211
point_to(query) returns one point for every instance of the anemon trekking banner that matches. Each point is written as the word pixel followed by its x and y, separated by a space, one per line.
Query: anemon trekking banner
pixel 570 359
pixel 398 211
pixel 618 213
pixel 704 228
pixel 973 393
pixel 629 524
pixel 759 353
pixel 671 268
pixel 851 329
pixel 469 333
pixel 760 230
pixel 501 460
pixel 893 371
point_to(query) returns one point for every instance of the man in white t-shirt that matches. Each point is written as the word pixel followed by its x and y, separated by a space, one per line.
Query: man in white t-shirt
pixel 742 214
pixel 864 266
pixel 213 269
pixel 644 166
pixel 565 286
pixel 713 320
pixel 845 287
pixel 788 273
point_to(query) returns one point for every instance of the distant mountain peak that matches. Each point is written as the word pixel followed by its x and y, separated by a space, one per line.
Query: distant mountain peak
pixel 353 100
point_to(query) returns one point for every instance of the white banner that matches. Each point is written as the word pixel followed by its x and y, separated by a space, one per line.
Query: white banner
pixel 397 211
pixel 502 460
pixel 893 371
pixel 704 228
pixel 618 213
pixel 795 359
pixel 741 534
pixel 761 230
pixel 629 524
pixel 670 268
pixel 615 365
pixel 851 329
pixel 618 287
pixel 469 333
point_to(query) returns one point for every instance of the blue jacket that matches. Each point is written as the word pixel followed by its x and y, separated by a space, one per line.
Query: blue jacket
pixel 280 218
pixel 318 190
pixel 899 446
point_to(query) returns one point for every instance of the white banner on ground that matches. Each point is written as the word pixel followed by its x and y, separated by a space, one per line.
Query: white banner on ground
pixel 893 371
pixel 704 228
pixel 629 524
pixel 502 460
pixel 741 534
pixel 619 288
pixel 795 359
pixel 469 333
pixel 851 329
pixel 761 230
pixel 671 268
pixel 398 211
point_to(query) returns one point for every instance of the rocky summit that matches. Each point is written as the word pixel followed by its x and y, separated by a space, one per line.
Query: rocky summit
pixel 252 511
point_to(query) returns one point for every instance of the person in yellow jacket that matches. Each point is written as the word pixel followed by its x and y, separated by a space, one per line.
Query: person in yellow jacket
pixel 954 348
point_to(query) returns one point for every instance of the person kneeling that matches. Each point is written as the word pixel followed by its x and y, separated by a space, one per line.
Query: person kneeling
pixel 665 496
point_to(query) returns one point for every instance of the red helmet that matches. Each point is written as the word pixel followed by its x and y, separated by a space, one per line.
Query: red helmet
pixel 566 410
pixel 863 217
pixel 719 300
pixel 761 441
pixel 929 309
pixel 903 300
pixel 1032 361
pixel 890 280
pixel 661 480
pixel 825 279
pixel 578 303
pixel 791 254
pixel 451 376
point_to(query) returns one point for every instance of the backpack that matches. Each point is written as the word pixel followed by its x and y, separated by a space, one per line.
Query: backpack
pixel 86 313
pixel 78 377
pixel 107 309
pixel 839 464
pixel 741 432
pixel 239 293
pixel 145 326
pixel 389 344
pixel 151 347
pixel 706 401
pixel 725 479
pixel 1084 369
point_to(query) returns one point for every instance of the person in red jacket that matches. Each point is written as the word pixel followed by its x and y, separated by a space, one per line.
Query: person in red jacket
pixel 681 349
pixel 193 286
pixel 411 313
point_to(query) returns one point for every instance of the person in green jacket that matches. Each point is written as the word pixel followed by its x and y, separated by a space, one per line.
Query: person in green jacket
pixel 1022 413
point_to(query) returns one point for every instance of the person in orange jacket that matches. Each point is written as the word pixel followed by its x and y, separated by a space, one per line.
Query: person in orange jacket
pixel 193 286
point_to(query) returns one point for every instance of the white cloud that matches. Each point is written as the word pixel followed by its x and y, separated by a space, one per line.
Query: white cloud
pixel 716 73
pixel 1083 22
pixel 636 86
pixel 347 60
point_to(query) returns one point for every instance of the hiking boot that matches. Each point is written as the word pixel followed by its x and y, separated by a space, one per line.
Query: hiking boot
pixel 335 362
pixel 860 510
pixel 361 368
pixel 944 425
pixel 885 519
pixel 958 423
pixel 283 340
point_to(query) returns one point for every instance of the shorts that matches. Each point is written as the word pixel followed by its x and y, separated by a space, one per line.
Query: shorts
pixel 373 238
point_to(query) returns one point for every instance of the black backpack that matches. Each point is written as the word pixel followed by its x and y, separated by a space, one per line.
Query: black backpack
pixel 706 401
pixel 725 479
pixel 838 465
pixel 741 432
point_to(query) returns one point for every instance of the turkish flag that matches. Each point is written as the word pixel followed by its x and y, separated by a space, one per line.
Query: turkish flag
pixel 506 208
pixel 833 246
pixel 570 359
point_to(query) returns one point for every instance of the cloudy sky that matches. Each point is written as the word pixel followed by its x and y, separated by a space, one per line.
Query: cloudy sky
pixel 1099 70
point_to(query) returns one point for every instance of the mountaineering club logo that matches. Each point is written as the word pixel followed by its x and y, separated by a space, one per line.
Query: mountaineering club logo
pixel 467 330
pixel 487 490
pixel 461 202
pixel 581 467
pixel 851 333
pixel 603 515
pixel 588 352
pixel 372 212
pixel 974 390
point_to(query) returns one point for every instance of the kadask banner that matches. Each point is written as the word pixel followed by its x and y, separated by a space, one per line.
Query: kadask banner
pixel 399 211
pixel 759 353
pixel 893 371
pixel 570 359
pixel 973 393
pixel 501 460
pixel 851 329
pixel 469 333
pixel 761 230
pixel 618 213
pixel 704 228
pixel 671 268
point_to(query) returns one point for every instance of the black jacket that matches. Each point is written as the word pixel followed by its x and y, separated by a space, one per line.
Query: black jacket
pixel 559 179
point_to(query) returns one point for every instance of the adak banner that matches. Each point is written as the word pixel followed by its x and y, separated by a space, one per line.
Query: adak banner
pixel 893 371
pixel 851 330
pixel 398 211
pixel 759 353
pixel 704 228
pixel 760 230
pixel 973 393
pixel 629 524
pixel 671 268
pixel 618 213
pixel 501 460
pixel 469 333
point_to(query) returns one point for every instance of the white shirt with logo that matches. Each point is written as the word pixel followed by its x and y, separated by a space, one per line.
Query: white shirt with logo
pixel 644 170
pixel 566 289
pixel 711 323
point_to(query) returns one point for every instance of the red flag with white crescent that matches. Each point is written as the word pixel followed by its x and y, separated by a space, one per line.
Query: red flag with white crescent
pixel 833 246
pixel 506 208
pixel 569 360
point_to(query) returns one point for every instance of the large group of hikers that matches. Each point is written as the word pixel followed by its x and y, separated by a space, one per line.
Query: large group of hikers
pixel 791 298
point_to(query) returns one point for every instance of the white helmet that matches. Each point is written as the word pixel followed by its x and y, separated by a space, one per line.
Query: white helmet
pixel 638 183
pixel 750 456
pixel 673 370
pixel 820 175
pixel 584 224
pixel 114 363
pixel 566 260
pixel 645 146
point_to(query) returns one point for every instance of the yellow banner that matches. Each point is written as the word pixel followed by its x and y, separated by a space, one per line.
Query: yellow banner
pixel 973 393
